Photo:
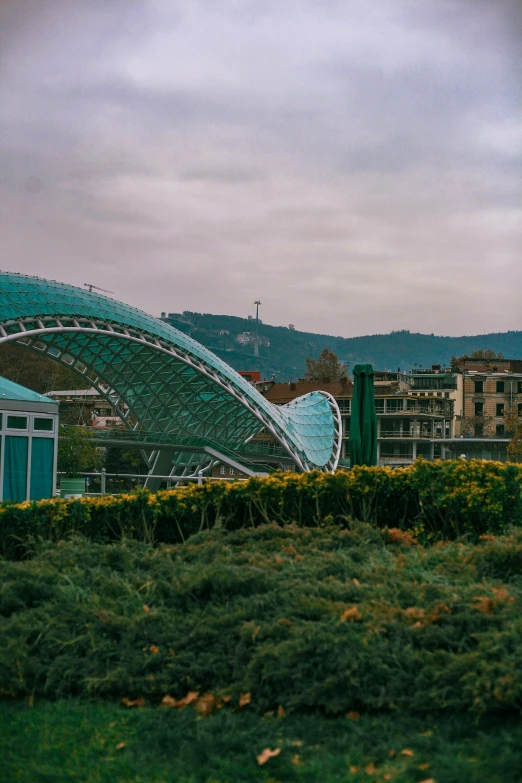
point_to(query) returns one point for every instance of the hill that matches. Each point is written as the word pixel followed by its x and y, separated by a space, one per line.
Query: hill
pixel 289 348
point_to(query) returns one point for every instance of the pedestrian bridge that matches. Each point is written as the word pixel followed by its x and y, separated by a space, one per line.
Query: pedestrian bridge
pixel 180 404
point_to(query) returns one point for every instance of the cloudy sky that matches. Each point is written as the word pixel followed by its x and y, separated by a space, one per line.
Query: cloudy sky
pixel 356 166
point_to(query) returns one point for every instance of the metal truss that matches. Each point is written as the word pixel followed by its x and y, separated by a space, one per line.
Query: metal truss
pixel 160 380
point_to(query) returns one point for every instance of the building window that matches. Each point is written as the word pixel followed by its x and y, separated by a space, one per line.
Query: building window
pixel 520 408
pixel 500 387
pixel 44 425
pixel 500 409
pixel 223 470
pixel 479 387
pixel 231 471
pixel 500 430
pixel 520 387
pixel 17 422
pixel 479 409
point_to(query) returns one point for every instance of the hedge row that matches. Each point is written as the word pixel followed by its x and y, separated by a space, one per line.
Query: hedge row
pixel 441 499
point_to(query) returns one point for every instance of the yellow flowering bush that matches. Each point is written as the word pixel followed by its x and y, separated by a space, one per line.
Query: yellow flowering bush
pixel 434 499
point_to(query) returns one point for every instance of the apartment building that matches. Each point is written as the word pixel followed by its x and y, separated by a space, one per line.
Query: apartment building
pixel 87 406
pixel 407 427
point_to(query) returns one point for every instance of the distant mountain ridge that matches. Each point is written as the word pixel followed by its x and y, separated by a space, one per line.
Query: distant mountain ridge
pixel 286 356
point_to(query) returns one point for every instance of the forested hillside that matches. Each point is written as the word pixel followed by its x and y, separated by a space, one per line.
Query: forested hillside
pixel 289 348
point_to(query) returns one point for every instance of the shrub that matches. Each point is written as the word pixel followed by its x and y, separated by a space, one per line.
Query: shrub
pixel 321 619
pixel 442 499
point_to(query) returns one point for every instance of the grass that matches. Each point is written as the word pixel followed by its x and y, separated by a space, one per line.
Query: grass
pixel 72 741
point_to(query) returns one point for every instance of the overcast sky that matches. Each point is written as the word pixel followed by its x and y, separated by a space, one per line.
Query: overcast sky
pixel 355 165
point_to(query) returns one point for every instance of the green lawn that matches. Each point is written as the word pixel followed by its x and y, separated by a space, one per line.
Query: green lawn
pixel 71 741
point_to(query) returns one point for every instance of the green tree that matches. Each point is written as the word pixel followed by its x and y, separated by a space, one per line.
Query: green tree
pixel 36 371
pixel 514 432
pixel 487 355
pixel 77 453
pixel 326 368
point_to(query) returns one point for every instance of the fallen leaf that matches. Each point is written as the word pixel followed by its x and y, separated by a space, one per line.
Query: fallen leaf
pixel 281 712
pixel 146 608
pixel 120 746
pixel 415 612
pixel 392 754
pixel 226 699
pixel 353 770
pixel 396 536
pixel 169 701
pixel 296 759
pixel 245 699
pixel 353 715
pixel 370 768
pixel 356 582
pixel 501 594
pixel 387 776
pixel 284 621
pixel 428 780
pixel 189 698
pixel 425 733
pixel 297 744
pixel 31 700
pixel 171 653
pixel 351 615
pixel 406 752
pixel 133 702
pixel 484 604
pixel 267 754
pixel 424 766
pixel 205 705
pixel 154 649
pixel 150 677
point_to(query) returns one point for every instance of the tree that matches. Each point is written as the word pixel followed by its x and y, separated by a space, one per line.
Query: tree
pixel 77 453
pixel 486 355
pixel 514 432
pixel 326 368
pixel 36 371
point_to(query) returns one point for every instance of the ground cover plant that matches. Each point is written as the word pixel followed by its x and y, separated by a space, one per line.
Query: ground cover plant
pixel 435 500
pixel 324 619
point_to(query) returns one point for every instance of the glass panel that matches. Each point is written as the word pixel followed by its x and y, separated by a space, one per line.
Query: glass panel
pixel 42 463
pixel 15 468
pixel 43 424
pixel 17 422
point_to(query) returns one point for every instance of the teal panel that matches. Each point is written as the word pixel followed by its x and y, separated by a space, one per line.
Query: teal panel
pixel 15 468
pixel 42 463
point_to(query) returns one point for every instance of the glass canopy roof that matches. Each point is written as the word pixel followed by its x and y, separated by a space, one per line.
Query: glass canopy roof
pixel 166 382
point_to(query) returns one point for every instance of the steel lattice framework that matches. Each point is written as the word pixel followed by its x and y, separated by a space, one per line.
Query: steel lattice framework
pixel 164 383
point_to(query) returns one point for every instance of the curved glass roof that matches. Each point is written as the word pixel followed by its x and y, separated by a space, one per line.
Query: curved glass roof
pixel 170 382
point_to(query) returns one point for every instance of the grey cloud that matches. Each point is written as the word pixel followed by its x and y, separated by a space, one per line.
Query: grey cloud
pixel 203 155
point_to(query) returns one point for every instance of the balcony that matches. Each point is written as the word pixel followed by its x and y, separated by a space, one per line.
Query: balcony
pixel 409 435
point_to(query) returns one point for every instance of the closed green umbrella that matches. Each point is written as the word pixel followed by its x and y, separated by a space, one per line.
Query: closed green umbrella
pixel 363 422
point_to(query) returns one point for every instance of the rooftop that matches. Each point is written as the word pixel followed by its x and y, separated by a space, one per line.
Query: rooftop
pixel 9 390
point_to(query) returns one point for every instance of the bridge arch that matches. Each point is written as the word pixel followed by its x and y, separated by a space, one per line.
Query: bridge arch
pixel 171 387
